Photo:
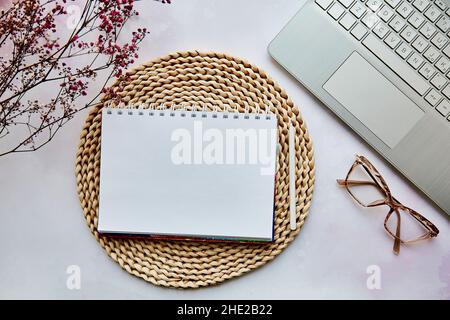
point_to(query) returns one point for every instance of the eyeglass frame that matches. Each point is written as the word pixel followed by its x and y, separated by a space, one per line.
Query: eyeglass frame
pixel 389 200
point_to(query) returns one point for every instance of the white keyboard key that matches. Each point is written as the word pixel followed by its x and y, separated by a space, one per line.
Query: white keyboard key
pixel 324 4
pixel 421 4
pixel 446 51
pixel 393 3
pixel 403 50
pixel 397 23
pixel 432 13
pixel 385 13
pixel 443 65
pixel 381 30
pixel 392 40
pixel 359 31
pixel 347 21
pixel 396 64
pixel 443 108
pixel 346 3
pixel 431 54
pixel 427 71
pixel 441 4
pixel 374 5
pixel 336 11
pixel 433 97
pixel 358 9
pixel 408 34
pixel 416 20
pixel 443 23
pixel 439 40
pixel 420 44
pixel 438 81
pixel 370 20
pixel 404 9
pixel 427 30
pixel 446 91
pixel 416 60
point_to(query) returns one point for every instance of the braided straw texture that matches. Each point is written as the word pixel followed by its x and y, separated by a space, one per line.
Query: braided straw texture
pixel 200 80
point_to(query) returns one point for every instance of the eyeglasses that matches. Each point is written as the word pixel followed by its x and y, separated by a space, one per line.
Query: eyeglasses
pixel 368 188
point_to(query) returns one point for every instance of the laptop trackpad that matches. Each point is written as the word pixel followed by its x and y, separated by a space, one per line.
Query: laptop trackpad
pixel 373 99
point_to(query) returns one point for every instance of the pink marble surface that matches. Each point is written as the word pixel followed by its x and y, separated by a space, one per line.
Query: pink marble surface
pixel 43 232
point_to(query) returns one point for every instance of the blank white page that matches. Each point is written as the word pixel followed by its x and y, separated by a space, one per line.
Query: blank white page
pixel 145 190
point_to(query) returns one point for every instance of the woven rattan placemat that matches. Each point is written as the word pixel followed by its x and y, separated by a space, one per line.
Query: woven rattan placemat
pixel 200 79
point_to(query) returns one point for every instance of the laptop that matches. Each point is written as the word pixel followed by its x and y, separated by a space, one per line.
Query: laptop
pixel 383 68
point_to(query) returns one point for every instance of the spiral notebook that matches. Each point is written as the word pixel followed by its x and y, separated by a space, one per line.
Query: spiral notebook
pixel 187 174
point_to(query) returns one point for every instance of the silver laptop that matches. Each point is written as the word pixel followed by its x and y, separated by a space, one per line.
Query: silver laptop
pixel 383 68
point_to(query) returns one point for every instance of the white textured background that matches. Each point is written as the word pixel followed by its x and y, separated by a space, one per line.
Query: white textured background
pixel 42 229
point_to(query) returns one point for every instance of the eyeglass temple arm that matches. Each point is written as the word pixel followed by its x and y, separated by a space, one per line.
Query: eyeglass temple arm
pixel 344 182
pixel 397 240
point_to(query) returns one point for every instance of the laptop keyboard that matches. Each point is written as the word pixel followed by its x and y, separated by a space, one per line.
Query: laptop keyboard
pixel 410 36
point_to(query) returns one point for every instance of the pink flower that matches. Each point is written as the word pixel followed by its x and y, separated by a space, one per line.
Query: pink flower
pixel 44 57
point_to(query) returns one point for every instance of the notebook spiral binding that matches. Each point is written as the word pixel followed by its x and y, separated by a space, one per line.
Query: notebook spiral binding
pixel 186 110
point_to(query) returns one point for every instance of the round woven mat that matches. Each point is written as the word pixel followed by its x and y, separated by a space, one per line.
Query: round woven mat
pixel 197 80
